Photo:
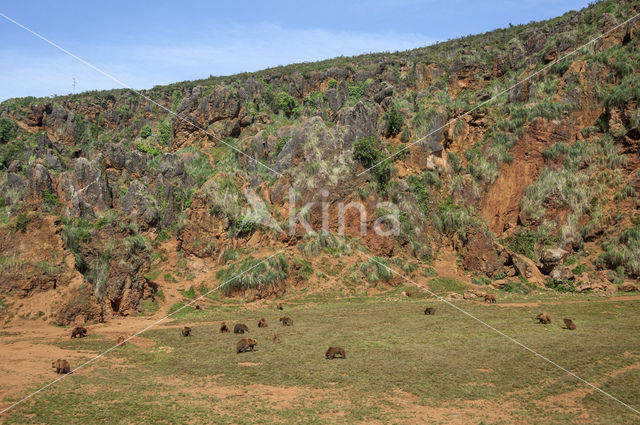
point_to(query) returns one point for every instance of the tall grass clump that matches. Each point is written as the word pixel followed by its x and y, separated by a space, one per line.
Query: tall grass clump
pixel 376 270
pixel 324 241
pixel 623 252
pixel 252 273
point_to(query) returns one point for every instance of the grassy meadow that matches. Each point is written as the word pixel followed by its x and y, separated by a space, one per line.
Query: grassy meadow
pixel 401 366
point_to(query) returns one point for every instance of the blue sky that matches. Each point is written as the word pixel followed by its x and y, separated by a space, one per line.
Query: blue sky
pixel 148 43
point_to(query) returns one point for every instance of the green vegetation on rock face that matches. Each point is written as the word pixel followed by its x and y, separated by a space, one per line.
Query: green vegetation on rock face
pixel 394 121
pixel 370 152
pixel 547 162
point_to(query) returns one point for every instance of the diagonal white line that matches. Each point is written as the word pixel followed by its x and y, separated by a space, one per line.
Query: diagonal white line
pixel 134 335
pixel 501 333
pixel 139 93
pixel 499 94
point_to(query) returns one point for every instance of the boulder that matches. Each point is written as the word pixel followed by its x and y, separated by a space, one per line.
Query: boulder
pixel 552 257
pixel 561 274
pixel 628 287
pixel 360 122
pixel 89 186
pixel 14 187
pixel 469 295
pixel 141 205
pixel 590 286
pixel 612 288
pixel 38 180
pixel 454 296
pixel 527 268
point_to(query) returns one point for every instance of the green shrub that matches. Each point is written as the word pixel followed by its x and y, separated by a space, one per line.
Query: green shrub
pixel 417 187
pixel 481 280
pixel 305 268
pixel 579 269
pixel 332 83
pixel 564 286
pixel 369 151
pixel 189 293
pixel 285 103
pixel 7 130
pixel 145 131
pixel 229 255
pixel 245 225
pixel 281 142
pixel 455 162
pixel 123 112
pixel 517 288
pixel 432 178
pixel 50 200
pixel 394 120
pixel 163 236
pixel 524 242
pixel 164 133
pixel 176 100
pixel 147 148
pixel 21 222
pixel 356 91
pixel 11 150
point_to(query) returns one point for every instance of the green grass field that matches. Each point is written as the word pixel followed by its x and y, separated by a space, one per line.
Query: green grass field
pixel 401 367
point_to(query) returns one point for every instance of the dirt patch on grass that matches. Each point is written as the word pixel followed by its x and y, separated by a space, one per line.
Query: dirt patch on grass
pixel 22 364
pixel 142 342
pixel 458 412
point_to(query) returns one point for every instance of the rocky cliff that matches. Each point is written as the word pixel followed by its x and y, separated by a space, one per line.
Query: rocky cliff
pixel 513 148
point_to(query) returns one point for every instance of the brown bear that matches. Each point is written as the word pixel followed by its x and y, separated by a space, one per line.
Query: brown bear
pixel 286 321
pixel 186 331
pixel 61 366
pixel 568 324
pixel 245 344
pixel 275 339
pixel 223 328
pixel 121 340
pixel 198 307
pixel 280 306
pixel 79 332
pixel 262 323
pixel 429 311
pixel 489 298
pixel 333 352
pixel 543 318
pixel 240 328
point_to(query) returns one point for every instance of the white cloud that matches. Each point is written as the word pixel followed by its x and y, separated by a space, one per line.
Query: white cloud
pixel 220 52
